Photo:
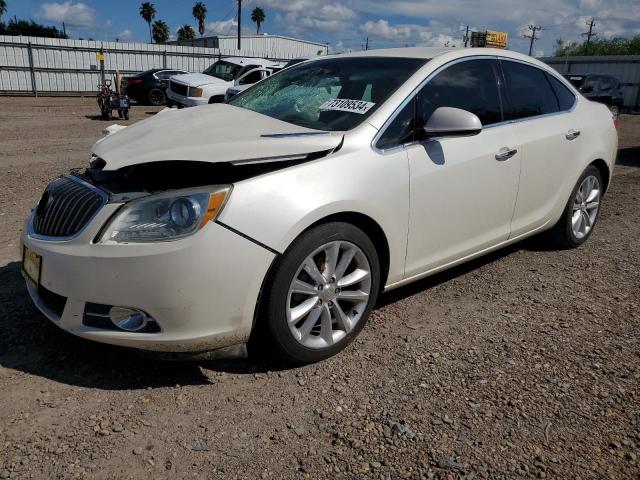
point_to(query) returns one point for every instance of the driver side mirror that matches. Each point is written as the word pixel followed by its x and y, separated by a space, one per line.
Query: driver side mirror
pixel 452 122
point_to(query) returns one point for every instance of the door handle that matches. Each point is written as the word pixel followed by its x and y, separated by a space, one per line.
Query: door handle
pixel 572 134
pixel 505 154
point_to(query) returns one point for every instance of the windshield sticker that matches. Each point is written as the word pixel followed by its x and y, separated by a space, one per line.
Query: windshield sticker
pixel 342 105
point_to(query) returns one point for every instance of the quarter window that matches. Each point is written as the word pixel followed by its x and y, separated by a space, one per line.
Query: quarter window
pixel 400 130
pixel 528 91
pixel 470 85
pixel 566 99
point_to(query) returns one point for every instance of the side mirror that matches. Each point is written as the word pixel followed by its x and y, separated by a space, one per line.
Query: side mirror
pixel 452 122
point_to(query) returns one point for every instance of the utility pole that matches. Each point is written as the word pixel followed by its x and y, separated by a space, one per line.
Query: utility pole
pixel 239 21
pixel 64 29
pixel 533 29
pixel 366 45
pixel 465 37
pixel 590 33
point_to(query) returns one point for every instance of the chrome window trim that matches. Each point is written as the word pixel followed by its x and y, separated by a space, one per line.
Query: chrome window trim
pixel 414 92
pixel 105 199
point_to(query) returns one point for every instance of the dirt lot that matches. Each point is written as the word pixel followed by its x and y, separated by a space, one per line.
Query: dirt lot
pixel 524 363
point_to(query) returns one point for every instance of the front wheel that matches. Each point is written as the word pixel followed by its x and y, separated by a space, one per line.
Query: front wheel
pixel 321 292
pixel 156 97
pixel 581 211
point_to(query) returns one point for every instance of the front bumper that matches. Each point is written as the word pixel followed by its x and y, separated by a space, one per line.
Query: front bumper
pixel 186 101
pixel 201 290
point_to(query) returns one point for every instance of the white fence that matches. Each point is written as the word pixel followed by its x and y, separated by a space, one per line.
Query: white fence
pixel 33 65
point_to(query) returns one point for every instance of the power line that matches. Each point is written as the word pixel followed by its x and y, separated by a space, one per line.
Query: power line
pixel 533 29
pixel 590 33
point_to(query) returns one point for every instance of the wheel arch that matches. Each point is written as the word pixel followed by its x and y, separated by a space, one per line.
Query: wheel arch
pixel 605 173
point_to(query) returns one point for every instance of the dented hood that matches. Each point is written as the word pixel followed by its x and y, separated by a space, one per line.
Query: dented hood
pixel 211 133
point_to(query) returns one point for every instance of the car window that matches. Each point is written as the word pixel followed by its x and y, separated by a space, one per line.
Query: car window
pixel 528 91
pixel 591 83
pixel 251 77
pixel 401 129
pixel 565 97
pixel 329 94
pixel 226 71
pixel 607 83
pixel 470 85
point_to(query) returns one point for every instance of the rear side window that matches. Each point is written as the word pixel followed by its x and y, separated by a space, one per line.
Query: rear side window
pixel 565 97
pixel 400 130
pixel 470 85
pixel 528 91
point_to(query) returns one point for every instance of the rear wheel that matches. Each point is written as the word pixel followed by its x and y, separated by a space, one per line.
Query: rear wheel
pixel 615 111
pixel 321 292
pixel 156 97
pixel 581 212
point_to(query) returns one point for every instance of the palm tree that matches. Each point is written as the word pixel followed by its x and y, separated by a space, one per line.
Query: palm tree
pixel 160 31
pixel 186 32
pixel 148 13
pixel 3 8
pixel 200 14
pixel 257 16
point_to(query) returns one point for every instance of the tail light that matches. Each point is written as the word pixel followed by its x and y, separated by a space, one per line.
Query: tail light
pixel 134 81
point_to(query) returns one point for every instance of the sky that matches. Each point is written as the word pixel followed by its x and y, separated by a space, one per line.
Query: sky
pixel 346 24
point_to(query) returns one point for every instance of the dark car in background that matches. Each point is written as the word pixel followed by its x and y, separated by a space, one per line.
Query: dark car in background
pixel 150 87
pixel 599 88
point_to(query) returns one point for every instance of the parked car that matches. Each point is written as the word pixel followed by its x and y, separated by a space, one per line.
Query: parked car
pixel 150 87
pixel 278 218
pixel 211 85
pixel 249 79
pixel 600 88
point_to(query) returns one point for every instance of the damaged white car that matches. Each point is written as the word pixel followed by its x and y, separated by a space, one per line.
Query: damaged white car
pixel 280 217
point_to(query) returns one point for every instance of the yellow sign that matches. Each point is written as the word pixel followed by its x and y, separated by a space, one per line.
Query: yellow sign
pixel 100 57
pixel 496 39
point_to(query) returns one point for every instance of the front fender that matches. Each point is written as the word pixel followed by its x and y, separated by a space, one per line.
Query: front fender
pixel 275 208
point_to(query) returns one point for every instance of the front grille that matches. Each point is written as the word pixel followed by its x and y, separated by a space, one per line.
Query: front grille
pixel 66 206
pixel 180 89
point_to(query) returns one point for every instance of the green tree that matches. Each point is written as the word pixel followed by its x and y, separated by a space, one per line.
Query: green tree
pixel 186 32
pixel 3 8
pixel 257 16
pixel 30 29
pixel 200 14
pixel 602 46
pixel 160 31
pixel 148 13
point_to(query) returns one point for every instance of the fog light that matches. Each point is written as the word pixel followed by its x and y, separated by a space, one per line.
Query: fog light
pixel 129 319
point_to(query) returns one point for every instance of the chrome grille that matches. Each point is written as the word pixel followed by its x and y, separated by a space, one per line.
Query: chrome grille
pixel 66 206
pixel 179 89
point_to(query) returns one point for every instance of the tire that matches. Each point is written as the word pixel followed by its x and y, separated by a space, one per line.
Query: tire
pixel 615 111
pixel 288 339
pixel 563 234
pixel 216 99
pixel 156 97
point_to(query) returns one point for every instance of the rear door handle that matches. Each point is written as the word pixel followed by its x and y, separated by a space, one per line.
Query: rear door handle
pixel 505 154
pixel 572 134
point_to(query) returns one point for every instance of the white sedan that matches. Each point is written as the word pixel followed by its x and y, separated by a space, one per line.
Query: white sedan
pixel 280 217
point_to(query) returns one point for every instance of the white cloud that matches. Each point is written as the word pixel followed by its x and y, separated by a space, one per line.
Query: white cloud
pixel 433 34
pixel 222 27
pixel 125 36
pixel 72 14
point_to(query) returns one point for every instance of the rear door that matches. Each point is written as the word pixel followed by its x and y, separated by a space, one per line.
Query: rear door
pixel 550 139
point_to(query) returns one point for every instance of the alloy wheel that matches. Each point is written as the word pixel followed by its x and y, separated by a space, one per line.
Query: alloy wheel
pixel 328 294
pixel 585 207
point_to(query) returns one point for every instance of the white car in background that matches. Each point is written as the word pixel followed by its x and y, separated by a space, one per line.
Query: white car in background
pixel 250 78
pixel 279 217
pixel 210 86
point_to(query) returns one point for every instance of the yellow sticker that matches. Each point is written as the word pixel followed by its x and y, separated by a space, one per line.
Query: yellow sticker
pixel 100 57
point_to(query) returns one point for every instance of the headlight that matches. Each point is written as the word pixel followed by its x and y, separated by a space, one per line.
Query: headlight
pixel 166 216
pixel 195 92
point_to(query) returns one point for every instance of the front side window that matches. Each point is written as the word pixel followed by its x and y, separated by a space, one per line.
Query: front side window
pixel 251 77
pixel 470 85
pixel 333 94
pixel 227 71
pixel 528 91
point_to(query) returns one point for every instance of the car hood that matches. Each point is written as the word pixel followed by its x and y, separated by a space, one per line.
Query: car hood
pixel 196 79
pixel 212 133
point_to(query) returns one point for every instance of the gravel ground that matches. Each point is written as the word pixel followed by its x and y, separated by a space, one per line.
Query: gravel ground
pixel 523 363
